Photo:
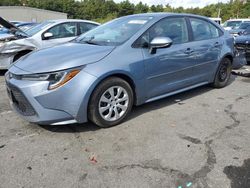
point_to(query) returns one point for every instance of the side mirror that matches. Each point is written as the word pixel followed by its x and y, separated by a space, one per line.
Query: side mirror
pixel 159 42
pixel 47 35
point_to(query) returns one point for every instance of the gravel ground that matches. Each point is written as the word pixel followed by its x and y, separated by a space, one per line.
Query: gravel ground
pixel 199 138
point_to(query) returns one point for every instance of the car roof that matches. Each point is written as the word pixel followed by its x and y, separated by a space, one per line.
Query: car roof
pixel 73 20
pixel 166 14
pixel 243 19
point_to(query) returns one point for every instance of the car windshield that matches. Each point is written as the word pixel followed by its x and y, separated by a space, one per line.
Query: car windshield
pixel 26 27
pixel 116 32
pixel 247 31
pixel 232 23
pixel 244 25
pixel 32 31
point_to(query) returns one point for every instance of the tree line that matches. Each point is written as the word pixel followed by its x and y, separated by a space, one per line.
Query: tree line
pixel 105 10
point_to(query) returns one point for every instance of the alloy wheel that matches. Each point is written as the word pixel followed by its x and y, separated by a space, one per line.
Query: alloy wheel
pixel 113 103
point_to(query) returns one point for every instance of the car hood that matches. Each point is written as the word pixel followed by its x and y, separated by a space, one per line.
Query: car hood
pixel 236 31
pixel 62 57
pixel 227 28
pixel 242 39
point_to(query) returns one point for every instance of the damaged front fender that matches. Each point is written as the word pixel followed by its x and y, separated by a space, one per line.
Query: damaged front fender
pixel 15 46
pixel 8 50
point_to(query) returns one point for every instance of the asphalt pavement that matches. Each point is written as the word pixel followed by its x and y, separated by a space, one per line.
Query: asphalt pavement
pixel 197 139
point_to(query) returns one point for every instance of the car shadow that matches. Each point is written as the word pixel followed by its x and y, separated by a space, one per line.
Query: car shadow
pixel 168 101
pixel 71 128
pixel 136 111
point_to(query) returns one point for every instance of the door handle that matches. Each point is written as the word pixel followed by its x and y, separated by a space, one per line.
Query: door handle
pixel 188 51
pixel 217 44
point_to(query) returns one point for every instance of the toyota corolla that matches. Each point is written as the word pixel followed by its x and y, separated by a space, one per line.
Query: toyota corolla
pixel 129 61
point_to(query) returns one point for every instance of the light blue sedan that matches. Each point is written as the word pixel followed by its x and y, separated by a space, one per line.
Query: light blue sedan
pixel 129 61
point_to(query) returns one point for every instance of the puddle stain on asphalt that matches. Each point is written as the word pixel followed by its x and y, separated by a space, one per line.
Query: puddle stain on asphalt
pixel 239 176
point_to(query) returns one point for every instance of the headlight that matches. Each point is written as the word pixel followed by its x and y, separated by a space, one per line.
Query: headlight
pixel 55 79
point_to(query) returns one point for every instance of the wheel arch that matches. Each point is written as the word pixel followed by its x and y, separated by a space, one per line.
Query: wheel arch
pixel 123 75
pixel 21 53
pixel 229 56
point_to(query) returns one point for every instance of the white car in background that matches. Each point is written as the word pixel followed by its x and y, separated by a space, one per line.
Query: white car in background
pixel 17 43
pixel 234 23
pixel 217 20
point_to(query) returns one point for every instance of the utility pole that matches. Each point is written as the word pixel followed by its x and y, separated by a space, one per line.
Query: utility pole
pixel 219 12
pixel 219 9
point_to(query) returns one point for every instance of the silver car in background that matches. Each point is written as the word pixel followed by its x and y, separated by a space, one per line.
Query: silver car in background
pixel 49 33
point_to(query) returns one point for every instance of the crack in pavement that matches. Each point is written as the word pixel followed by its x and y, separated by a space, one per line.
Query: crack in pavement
pixel 211 160
pixel 232 115
pixel 181 178
pixel 190 139
pixel 155 166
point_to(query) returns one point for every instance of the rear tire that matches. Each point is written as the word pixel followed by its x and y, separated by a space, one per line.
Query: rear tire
pixel 110 102
pixel 223 73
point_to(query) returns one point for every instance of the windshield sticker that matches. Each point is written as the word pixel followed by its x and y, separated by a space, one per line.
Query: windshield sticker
pixel 137 22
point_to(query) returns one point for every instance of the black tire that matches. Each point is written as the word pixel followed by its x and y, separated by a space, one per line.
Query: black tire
pixel 95 101
pixel 223 73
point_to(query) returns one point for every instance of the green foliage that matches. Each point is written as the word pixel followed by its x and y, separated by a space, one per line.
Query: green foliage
pixel 105 10
pixel 157 8
pixel 141 8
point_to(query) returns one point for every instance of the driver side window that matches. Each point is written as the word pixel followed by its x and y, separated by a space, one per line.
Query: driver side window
pixel 174 28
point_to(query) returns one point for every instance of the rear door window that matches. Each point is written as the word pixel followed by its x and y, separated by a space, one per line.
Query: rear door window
pixel 203 30
pixel 84 27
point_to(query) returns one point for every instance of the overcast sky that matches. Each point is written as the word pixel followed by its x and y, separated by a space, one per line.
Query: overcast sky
pixel 177 3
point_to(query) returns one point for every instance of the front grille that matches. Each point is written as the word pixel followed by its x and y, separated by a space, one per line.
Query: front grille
pixel 248 48
pixel 20 102
pixel 241 46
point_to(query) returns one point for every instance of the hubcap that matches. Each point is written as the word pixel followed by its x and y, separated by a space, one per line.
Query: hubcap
pixel 223 72
pixel 113 103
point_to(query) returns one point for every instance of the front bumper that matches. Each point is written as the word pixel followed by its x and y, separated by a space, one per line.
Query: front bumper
pixel 248 53
pixel 5 61
pixel 35 103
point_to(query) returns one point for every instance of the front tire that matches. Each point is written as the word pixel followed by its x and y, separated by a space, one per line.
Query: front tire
pixel 110 102
pixel 223 73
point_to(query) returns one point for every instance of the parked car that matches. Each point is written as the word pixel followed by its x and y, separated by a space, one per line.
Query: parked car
pixel 129 61
pixel 217 20
pixel 234 23
pixel 242 43
pixel 26 25
pixel 21 25
pixel 43 35
pixel 240 30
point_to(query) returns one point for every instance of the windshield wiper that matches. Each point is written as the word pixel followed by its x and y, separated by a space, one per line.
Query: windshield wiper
pixel 90 42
